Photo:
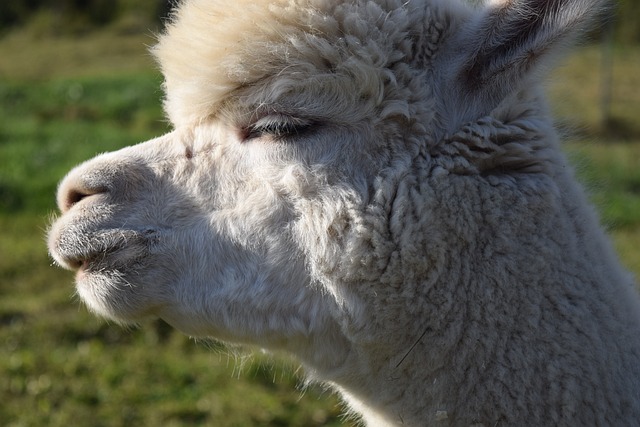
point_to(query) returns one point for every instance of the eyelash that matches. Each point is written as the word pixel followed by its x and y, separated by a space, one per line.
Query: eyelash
pixel 277 127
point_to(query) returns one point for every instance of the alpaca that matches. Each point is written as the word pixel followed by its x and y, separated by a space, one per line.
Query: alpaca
pixel 376 188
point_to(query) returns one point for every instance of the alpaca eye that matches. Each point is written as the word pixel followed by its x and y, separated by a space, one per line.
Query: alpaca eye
pixel 277 127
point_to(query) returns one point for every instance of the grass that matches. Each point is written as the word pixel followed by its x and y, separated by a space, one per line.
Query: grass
pixel 605 147
pixel 580 88
pixel 97 54
pixel 61 103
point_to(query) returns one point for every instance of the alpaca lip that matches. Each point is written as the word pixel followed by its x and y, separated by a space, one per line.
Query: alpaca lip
pixel 106 248
pixel 85 259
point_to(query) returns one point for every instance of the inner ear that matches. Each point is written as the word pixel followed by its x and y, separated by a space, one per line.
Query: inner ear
pixel 507 46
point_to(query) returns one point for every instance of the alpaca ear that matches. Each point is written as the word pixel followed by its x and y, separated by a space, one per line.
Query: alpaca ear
pixel 507 46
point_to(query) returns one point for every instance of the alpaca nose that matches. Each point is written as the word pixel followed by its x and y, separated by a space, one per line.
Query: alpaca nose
pixel 77 186
pixel 70 196
pixel 117 177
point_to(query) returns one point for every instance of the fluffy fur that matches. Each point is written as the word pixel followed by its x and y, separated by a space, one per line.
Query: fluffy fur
pixel 375 187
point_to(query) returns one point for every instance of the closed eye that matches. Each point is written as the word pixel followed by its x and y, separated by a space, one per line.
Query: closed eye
pixel 277 127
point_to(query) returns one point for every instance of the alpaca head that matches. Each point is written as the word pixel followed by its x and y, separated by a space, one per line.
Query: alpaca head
pixel 326 158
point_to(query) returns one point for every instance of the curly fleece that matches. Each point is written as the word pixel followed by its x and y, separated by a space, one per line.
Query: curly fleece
pixel 376 187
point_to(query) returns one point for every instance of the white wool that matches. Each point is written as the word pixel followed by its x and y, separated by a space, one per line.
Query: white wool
pixel 375 187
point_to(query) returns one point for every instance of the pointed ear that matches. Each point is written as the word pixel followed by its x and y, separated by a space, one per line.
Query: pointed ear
pixel 506 46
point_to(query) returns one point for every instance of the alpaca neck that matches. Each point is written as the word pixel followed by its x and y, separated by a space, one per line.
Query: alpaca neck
pixel 571 345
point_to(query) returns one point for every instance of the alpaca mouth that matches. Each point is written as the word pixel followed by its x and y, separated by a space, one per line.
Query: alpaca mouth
pixel 97 251
pixel 96 260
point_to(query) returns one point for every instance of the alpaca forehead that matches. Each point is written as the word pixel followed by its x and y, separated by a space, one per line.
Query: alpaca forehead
pixel 213 48
pixel 202 53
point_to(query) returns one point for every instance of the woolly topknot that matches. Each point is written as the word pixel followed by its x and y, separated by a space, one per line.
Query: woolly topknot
pixel 197 78
pixel 211 48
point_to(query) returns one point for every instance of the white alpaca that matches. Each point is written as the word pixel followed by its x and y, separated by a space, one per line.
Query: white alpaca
pixel 376 188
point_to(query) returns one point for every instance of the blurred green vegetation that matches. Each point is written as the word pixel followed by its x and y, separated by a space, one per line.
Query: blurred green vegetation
pixel 627 13
pixel 66 97
pixel 75 17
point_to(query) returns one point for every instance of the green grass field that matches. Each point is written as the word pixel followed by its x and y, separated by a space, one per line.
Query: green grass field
pixel 64 100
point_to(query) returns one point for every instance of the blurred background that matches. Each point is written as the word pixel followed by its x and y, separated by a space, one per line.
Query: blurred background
pixel 76 80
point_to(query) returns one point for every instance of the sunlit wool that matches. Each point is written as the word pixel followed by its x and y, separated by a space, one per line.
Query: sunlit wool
pixel 375 187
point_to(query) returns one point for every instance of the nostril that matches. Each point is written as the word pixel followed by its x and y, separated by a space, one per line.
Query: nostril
pixel 73 197
pixel 91 182
pixel 70 195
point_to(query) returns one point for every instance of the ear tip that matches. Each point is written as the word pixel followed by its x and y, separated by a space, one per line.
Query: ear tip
pixel 511 44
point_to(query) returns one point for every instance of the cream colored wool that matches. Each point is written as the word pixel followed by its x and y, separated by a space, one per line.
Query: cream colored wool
pixel 376 187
